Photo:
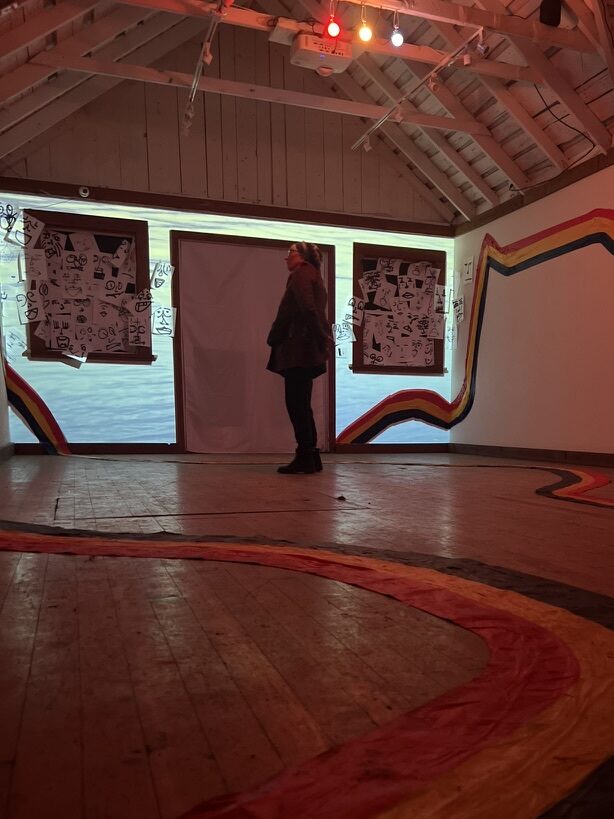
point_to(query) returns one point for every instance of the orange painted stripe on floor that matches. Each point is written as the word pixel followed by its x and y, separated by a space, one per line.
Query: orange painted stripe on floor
pixel 520 746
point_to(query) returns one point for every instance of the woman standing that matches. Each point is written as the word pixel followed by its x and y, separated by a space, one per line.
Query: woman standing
pixel 300 343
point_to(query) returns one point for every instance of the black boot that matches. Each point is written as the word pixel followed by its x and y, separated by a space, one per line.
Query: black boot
pixel 304 461
pixel 317 461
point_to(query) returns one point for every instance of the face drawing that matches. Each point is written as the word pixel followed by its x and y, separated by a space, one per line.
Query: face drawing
pixel 163 321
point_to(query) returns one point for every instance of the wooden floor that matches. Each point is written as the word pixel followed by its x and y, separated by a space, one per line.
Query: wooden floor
pixel 138 688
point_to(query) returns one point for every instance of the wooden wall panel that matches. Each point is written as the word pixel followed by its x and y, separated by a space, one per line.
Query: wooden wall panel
pixel 212 104
pixel 295 139
pixel 192 150
pixel 278 129
pixel 314 148
pixel 264 158
pixel 333 162
pixel 226 35
pixel 133 148
pixel 237 149
pixel 162 123
pixel 247 123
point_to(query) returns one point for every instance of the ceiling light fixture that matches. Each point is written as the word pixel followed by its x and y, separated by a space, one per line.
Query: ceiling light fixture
pixel 396 38
pixel 333 29
pixel 364 32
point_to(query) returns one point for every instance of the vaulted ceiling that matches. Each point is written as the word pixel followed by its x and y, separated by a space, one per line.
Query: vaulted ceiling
pixel 466 127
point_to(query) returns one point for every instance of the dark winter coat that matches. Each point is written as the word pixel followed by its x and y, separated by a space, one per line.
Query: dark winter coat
pixel 300 336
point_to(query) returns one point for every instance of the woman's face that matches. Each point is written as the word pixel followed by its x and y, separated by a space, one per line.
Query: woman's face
pixel 292 257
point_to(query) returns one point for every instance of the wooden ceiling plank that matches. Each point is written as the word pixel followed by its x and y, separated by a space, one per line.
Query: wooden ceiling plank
pixel 487 143
pixel 42 24
pixel 552 77
pixel 406 145
pixel 604 23
pixel 144 46
pixel 387 86
pixel 89 40
pixel 393 159
pixel 585 20
pixel 510 103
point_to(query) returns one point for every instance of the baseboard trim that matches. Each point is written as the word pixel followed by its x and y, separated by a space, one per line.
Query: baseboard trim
pixel 521 453
pixel 105 449
pixel 604 459
pixel 389 448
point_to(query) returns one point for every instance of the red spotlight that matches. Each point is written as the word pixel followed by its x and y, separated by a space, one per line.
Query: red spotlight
pixel 333 29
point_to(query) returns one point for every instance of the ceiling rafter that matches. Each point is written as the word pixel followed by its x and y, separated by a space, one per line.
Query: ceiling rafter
pixel 247 18
pixel 387 86
pixel 552 76
pixel 233 88
pixel 603 23
pixel 494 20
pixel 400 140
pixel 409 149
pixel 586 20
pixel 144 44
pixel 407 145
pixel 531 30
pixel 90 39
pixel 510 103
pixel 450 102
pixel 42 24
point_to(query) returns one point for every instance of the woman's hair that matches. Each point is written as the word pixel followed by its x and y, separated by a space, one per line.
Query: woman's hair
pixel 310 253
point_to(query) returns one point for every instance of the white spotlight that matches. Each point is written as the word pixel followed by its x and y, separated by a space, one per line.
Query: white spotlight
pixel 396 38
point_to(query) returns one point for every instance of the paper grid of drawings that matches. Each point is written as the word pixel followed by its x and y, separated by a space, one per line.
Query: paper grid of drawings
pixel 79 291
pixel 403 312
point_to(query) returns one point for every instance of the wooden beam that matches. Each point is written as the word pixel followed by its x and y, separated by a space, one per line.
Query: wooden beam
pixel 604 23
pixel 143 44
pixel 385 84
pixel 378 143
pixel 432 56
pixel 266 22
pixel 248 91
pixel 501 22
pixel 430 170
pixel 89 40
pixel 509 101
pixel 585 20
pixel 438 10
pixel 42 24
pixel 551 76
pixel 406 145
pixel 488 144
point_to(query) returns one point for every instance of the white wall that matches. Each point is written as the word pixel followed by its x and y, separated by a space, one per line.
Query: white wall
pixel 546 359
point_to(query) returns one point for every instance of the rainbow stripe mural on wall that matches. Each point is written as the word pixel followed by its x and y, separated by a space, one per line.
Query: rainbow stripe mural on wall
pixel 596 227
pixel 33 411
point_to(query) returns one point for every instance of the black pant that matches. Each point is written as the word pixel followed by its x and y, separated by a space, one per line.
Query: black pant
pixel 298 385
